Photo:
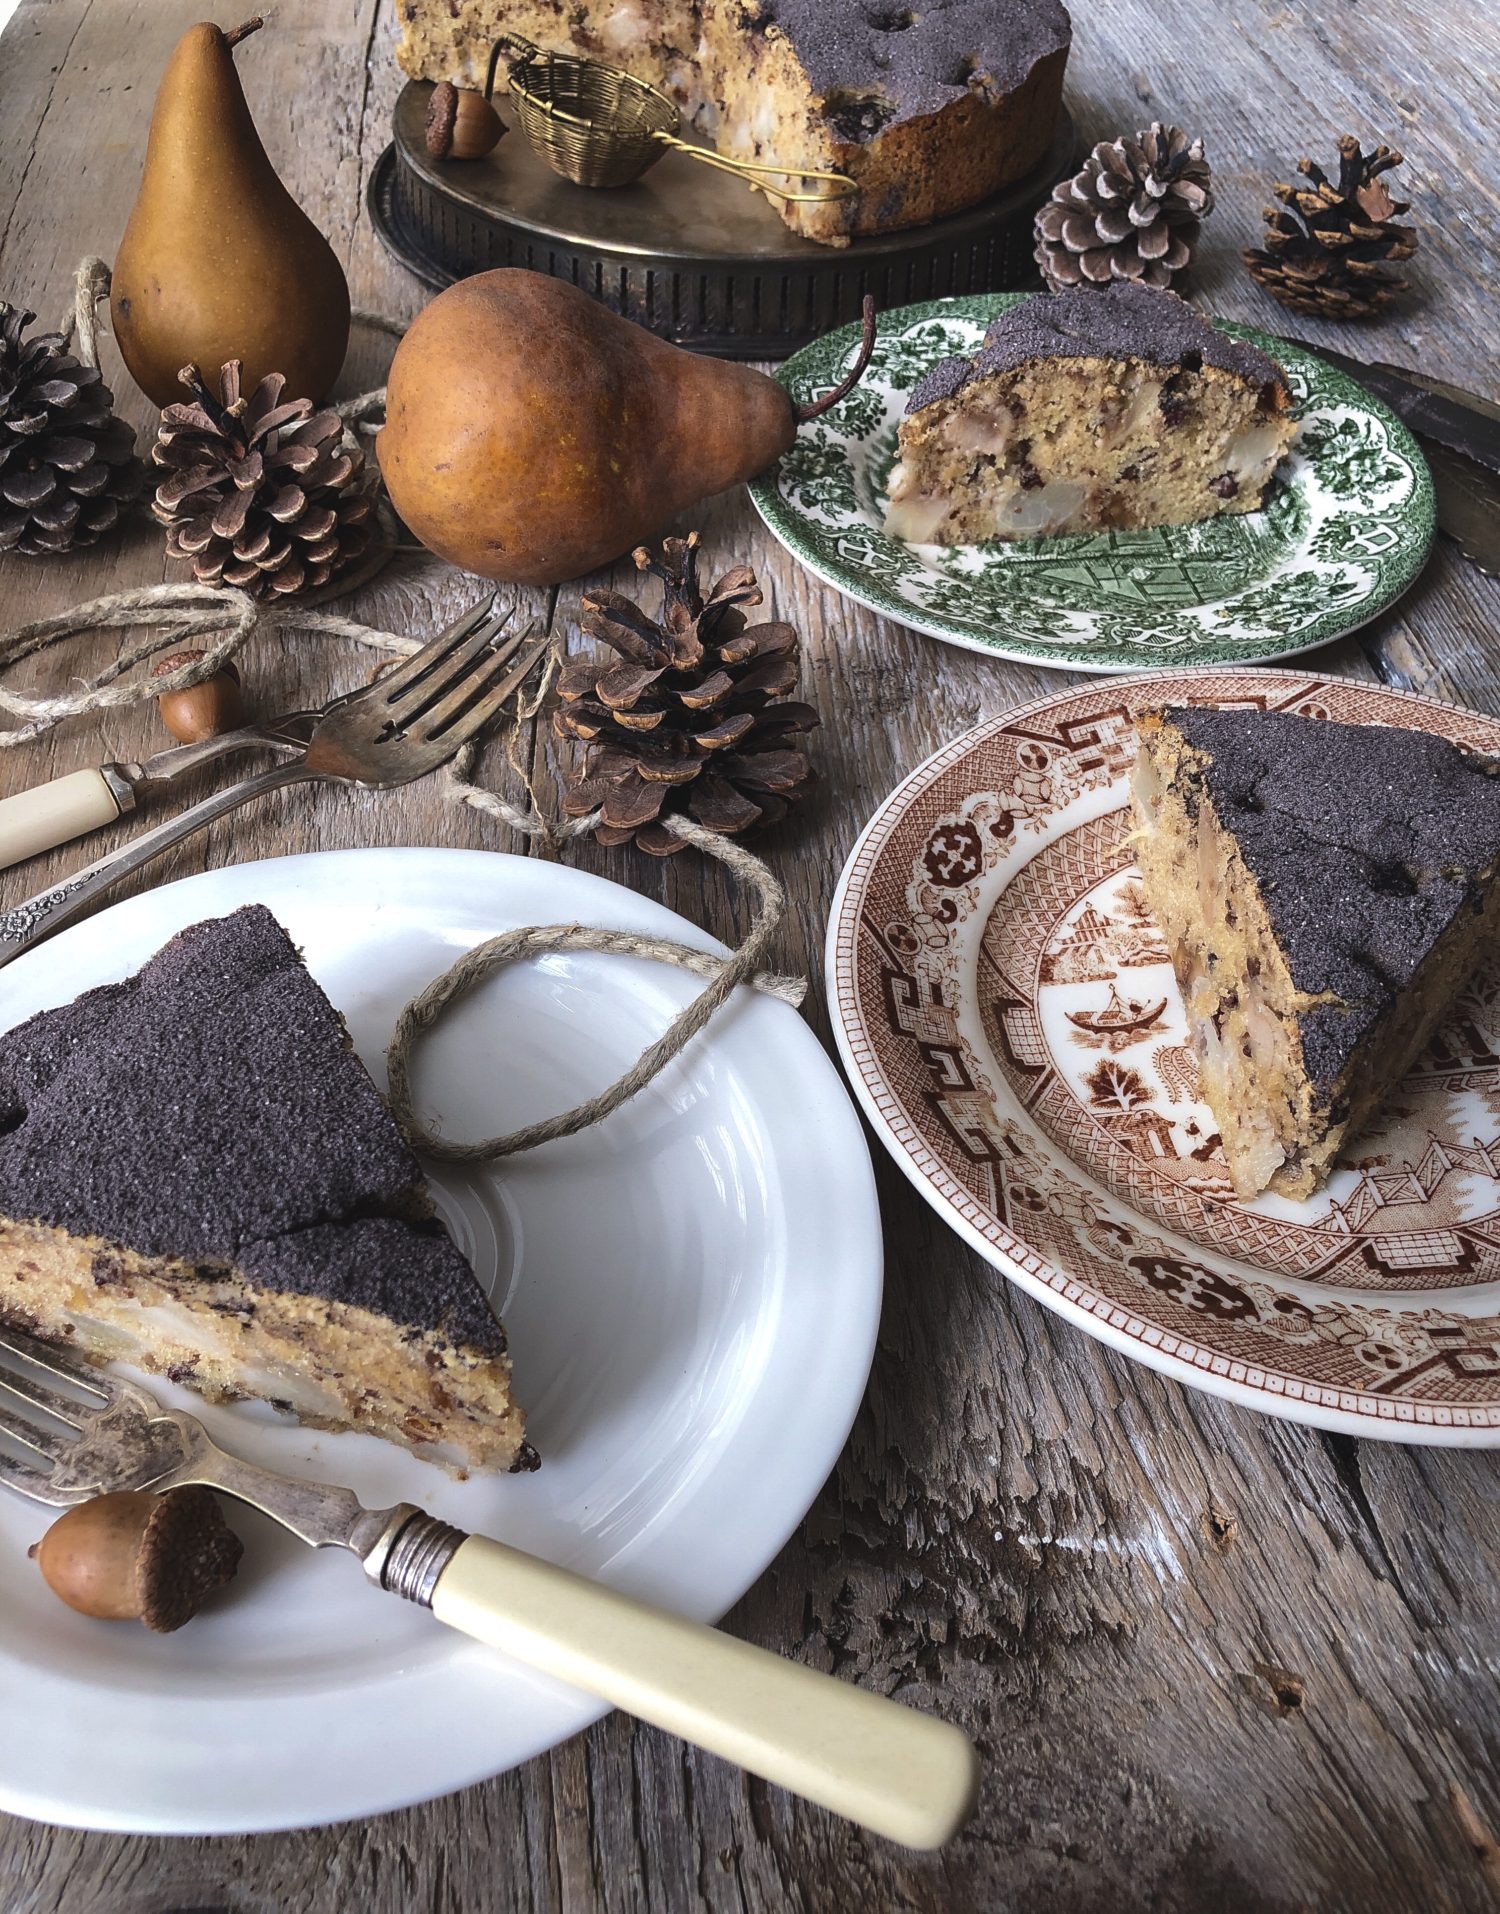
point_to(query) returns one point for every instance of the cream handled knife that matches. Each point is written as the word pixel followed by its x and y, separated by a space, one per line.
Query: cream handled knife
pixel 51 814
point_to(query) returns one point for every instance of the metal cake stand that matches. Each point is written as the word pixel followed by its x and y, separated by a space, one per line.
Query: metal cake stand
pixel 686 252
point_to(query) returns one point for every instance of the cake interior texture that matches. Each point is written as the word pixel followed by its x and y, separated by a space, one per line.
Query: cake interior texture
pixel 1325 890
pixel 198 1176
pixel 1088 411
pixel 928 109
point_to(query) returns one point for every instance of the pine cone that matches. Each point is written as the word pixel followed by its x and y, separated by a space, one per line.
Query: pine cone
pixel 1330 248
pixel 1134 212
pixel 258 494
pixel 68 467
pixel 689 721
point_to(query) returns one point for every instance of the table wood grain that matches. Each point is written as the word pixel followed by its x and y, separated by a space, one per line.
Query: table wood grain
pixel 1213 1661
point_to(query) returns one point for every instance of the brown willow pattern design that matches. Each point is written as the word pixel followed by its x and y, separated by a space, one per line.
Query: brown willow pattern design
pixel 1011 1015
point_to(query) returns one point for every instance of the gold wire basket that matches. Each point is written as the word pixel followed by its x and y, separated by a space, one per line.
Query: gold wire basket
pixel 600 126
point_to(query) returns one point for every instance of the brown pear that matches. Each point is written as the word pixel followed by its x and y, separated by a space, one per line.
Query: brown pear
pixel 532 435
pixel 218 261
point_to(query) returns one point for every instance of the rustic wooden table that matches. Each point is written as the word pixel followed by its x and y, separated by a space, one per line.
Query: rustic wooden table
pixel 1212 1661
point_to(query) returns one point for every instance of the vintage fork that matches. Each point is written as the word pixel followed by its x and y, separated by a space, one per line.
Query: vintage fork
pixel 902 1774
pixel 402 726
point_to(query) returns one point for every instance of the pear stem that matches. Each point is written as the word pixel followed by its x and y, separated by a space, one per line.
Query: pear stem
pixel 243 31
pixel 817 407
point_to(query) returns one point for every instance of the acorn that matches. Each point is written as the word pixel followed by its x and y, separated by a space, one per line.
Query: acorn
pixel 200 711
pixel 461 124
pixel 135 1556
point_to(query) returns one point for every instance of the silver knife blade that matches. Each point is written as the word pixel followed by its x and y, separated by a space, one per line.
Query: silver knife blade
pixel 1489 407
pixel 1468 505
pixel 1437 412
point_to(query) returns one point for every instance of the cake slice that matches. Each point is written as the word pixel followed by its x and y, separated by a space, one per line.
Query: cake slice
pixel 1325 890
pixel 1092 410
pixel 198 1176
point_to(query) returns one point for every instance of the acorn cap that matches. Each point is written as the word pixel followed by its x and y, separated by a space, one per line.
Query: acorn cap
pixel 442 116
pixel 187 1551
pixel 179 659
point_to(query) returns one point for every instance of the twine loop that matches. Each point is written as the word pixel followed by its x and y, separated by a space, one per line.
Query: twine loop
pixel 475 966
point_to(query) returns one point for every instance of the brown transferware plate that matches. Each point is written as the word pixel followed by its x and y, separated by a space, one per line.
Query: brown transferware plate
pixel 1008 1016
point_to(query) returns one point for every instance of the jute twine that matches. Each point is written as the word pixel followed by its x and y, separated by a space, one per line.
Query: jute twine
pixel 222 621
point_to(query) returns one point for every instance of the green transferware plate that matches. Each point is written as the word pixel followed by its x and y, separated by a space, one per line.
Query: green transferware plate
pixel 1346 528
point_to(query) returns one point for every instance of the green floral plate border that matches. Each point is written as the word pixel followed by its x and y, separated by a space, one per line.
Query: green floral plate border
pixel 1346 529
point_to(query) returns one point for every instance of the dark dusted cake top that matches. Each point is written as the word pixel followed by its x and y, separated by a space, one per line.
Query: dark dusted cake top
pixel 875 62
pixel 207 1108
pixel 1365 841
pixel 1123 320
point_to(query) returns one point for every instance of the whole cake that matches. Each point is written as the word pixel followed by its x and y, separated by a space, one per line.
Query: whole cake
pixel 1091 410
pixel 198 1176
pixel 929 109
pixel 1325 890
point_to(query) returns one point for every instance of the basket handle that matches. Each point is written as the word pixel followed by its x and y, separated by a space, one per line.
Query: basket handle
pixel 754 172
pixel 516 50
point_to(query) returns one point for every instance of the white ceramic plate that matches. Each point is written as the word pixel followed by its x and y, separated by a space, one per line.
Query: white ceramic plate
pixel 1008 1016
pixel 691 1291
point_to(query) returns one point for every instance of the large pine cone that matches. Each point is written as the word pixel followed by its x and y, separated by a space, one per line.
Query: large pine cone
pixel 690 720
pixel 68 467
pixel 260 495
pixel 1133 212
pixel 1331 247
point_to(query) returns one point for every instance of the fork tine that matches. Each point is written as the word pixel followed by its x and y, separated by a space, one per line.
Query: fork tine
pixel 54 1363
pixel 36 1395
pixel 49 1444
pixel 436 649
pixel 455 669
pixel 33 1482
pixel 454 724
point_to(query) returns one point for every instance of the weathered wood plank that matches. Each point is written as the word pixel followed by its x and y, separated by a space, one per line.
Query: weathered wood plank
pixel 1215 1662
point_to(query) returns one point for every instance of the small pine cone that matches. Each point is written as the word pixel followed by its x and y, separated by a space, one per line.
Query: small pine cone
pixel 68 468
pixel 691 719
pixel 1133 212
pixel 1331 246
pixel 257 494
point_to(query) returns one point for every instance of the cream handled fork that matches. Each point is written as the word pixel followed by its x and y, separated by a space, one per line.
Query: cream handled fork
pixel 400 727
pixel 902 1774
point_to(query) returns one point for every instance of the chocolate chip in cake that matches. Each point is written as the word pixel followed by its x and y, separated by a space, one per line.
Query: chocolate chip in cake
pixel 856 118
pixel 1224 486
pixel 1173 406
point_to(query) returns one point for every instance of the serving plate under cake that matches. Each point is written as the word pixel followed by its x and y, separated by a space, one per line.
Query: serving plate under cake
pixel 691 1292
pixel 1346 528
pixel 1007 1013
